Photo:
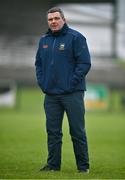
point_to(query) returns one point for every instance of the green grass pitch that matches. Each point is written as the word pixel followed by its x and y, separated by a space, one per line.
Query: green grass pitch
pixel 23 148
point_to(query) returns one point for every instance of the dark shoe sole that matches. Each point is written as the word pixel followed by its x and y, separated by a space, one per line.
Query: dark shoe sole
pixel 48 168
pixel 86 171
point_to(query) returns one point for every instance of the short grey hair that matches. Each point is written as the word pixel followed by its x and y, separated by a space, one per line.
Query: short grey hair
pixel 56 9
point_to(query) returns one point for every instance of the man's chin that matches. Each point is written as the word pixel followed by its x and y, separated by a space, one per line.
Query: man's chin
pixel 55 30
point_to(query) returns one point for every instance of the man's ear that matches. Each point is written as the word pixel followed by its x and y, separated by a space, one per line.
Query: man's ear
pixel 64 19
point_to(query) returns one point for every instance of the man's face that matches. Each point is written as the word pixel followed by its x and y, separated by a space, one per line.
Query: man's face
pixel 55 21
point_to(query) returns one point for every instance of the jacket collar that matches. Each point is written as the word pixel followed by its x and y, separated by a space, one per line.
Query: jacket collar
pixel 60 32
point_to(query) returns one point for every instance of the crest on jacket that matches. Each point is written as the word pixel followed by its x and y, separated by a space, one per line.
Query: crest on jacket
pixel 61 46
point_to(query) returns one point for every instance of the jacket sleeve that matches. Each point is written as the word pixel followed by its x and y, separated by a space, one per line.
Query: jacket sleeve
pixel 38 66
pixel 82 59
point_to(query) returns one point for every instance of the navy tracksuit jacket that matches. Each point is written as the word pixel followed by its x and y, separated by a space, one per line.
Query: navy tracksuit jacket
pixel 62 62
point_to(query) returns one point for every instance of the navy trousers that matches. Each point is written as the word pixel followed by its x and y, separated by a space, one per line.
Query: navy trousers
pixel 73 105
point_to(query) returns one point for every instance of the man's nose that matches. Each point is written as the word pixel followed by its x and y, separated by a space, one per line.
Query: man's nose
pixel 53 20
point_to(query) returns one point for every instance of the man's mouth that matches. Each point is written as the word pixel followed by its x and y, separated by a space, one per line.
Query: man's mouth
pixel 54 27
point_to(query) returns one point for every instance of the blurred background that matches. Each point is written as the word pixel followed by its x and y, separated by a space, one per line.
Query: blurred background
pixel 101 22
pixel 23 138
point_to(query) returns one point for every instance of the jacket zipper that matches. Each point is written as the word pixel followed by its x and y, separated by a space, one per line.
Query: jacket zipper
pixel 52 61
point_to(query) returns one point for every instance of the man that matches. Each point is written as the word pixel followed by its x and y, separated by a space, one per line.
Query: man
pixel 62 62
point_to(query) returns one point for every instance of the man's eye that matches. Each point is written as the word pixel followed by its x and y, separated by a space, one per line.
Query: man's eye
pixel 56 18
pixel 50 19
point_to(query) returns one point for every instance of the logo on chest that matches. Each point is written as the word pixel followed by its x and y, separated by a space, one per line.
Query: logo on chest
pixel 45 46
pixel 62 47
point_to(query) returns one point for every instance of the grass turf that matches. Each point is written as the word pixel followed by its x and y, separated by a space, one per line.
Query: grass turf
pixel 23 148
